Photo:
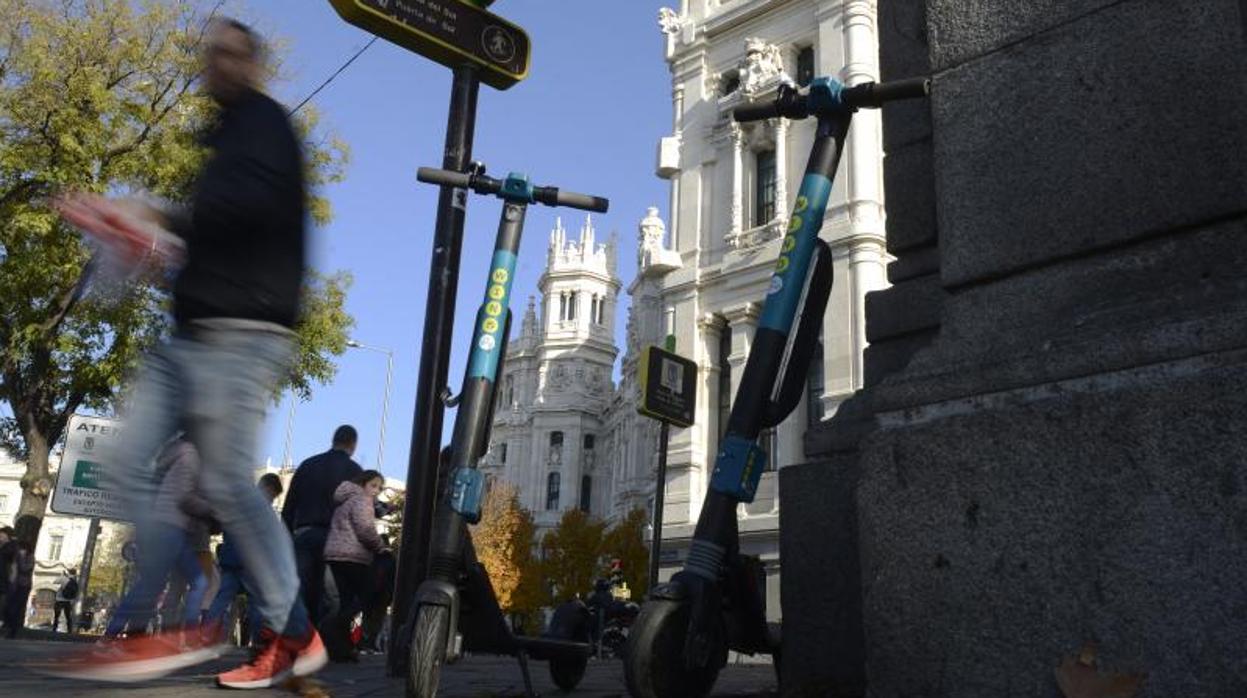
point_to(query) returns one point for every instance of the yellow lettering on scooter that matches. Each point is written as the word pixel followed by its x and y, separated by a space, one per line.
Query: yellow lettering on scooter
pixel 500 276
pixel 493 308
pixel 794 224
pixel 790 242
pixel 782 265
pixel 802 204
pixel 497 292
pixel 489 326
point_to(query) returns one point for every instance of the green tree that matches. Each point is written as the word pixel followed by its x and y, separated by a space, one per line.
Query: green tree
pixel 571 553
pixel 100 96
pixel 626 543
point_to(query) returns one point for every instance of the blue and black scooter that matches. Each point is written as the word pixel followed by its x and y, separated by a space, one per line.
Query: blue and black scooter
pixel 717 602
pixel 455 609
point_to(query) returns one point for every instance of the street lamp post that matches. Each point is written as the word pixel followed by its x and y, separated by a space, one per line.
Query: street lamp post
pixel 385 399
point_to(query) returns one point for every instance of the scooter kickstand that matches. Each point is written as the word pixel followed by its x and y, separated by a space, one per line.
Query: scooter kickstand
pixel 528 679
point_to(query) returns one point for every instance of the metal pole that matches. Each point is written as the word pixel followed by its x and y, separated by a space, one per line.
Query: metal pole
pixel 88 561
pixel 286 462
pixel 385 405
pixel 660 488
pixel 426 433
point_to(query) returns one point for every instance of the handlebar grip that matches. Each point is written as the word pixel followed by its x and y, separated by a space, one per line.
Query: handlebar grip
pixel 553 196
pixel 756 112
pixel 447 178
pixel 874 94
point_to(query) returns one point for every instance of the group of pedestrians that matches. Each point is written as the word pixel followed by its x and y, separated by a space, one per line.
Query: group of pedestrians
pixel 331 512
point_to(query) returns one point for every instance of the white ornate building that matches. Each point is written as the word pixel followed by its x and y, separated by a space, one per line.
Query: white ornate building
pixel 556 383
pixel 703 279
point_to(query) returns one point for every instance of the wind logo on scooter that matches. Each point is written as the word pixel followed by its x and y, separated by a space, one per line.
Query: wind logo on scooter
pixel 484 360
pixel 795 252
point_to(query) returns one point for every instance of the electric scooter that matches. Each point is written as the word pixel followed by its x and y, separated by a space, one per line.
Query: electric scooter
pixel 456 610
pixel 717 601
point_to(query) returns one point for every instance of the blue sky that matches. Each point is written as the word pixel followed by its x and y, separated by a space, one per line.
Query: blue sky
pixel 588 118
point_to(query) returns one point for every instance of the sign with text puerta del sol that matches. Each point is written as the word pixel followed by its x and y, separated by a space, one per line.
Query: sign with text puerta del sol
pixel 451 32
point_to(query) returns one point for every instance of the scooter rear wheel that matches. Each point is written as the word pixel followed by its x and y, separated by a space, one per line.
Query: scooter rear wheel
pixel 428 651
pixel 654 665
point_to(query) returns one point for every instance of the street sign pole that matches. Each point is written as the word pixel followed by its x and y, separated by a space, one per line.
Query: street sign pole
pixel 660 487
pixel 413 553
pixel 660 493
pixel 88 561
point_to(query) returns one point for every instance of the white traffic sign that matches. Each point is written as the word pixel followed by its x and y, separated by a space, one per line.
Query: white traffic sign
pixel 80 487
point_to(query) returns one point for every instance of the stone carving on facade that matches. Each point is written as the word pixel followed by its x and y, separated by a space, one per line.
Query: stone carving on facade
pixel 559 379
pixel 556 455
pixel 652 253
pixel 761 68
pixel 669 21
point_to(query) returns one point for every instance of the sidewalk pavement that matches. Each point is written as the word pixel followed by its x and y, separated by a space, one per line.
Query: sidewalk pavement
pixel 473 677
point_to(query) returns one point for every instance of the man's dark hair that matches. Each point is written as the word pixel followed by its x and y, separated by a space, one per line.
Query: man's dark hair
pixel 368 476
pixel 345 435
pixel 254 40
pixel 271 481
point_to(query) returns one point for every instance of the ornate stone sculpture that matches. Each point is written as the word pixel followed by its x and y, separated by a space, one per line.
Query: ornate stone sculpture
pixel 763 65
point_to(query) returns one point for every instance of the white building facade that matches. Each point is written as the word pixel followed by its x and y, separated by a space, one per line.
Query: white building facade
pixel 556 385
pixel 703 277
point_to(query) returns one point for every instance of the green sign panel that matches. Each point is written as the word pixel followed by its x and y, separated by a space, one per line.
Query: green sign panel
pixel 87 474
pixel 451 32
pixel 668 386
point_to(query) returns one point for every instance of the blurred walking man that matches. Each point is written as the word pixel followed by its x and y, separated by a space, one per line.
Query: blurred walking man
pixel 235 301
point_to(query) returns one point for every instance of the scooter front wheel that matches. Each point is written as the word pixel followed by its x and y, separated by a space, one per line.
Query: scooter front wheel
pixel 428 651
pixel 654 665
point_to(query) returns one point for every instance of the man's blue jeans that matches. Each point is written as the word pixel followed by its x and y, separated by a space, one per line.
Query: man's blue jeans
pixel 232 583
pixel 171 551
pixel 217 385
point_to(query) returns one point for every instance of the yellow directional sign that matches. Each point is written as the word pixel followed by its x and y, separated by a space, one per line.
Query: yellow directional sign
pixel 451 32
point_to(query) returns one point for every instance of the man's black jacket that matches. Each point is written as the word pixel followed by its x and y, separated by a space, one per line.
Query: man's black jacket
pixel 245 236
pixel 310 499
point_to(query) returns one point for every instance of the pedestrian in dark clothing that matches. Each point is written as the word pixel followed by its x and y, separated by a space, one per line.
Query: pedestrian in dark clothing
pixel 66 594
pixel 8 548
pixel 233 580
pixel 353 541
pixel 235 304
pixel 309 510
pixel 377 601
pixel 21 579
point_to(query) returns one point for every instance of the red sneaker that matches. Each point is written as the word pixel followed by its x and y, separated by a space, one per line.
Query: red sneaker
pixel 277 659
pixel 138 658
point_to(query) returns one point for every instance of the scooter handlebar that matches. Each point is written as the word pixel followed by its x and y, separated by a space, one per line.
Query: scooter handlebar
pixel 873 95
pixel 553 196
pixel 446 178
pixel 756 112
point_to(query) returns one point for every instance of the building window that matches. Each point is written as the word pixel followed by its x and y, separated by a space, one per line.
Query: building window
pixel 586 493
pixel 588 442
pixel 764 193
pixel 805 66
pixel 562 307
pixel 502 453
pixel 597 309
pixel 725 380
pixel 552 492
pixel 556 438
pixel 730 82
pixel 55 543
pixel 814 387
pixel 510 391
pixel 571 306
